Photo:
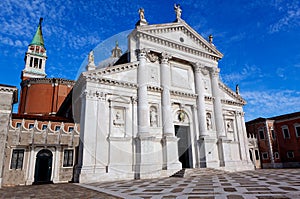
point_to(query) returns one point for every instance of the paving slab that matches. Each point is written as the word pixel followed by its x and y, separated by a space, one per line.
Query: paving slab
pixel 197 183
pixel 210 183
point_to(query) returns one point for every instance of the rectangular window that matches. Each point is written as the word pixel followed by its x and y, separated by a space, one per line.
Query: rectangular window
pixel 44 126
pixel 276 154
pixel 36 61
pixel 286 133
pixel 30 126
pixel 290 154
pixel 297 128
pixel 40 64
pixel 57 128
pixel 31 62
pixel 261 134
pixel 68 158
pixel 256 155
pixel 71 128
pixel 265 155
pixel 17 159
pixel 273 134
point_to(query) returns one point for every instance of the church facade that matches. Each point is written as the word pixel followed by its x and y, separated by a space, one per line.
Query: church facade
pixel 160 108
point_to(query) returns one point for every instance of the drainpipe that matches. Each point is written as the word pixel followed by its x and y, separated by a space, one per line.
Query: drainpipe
pixel 270 145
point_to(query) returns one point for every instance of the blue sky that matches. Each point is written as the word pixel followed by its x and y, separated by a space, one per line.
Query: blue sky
pixel 260 40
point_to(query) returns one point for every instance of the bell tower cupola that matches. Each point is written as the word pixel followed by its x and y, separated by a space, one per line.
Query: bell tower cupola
pixel 35 57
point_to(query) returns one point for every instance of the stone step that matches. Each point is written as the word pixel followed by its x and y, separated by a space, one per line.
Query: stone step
pixel 179 174
pixel 196 171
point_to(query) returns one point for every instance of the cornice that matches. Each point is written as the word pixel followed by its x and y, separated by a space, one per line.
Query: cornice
pixel 112 69
pixel 183 94
pixel 177 46
pixel 186 29
pixel 230 102
pixel 231 93
pixel 58 81
pixel 8 89
pixel 209 98
pixel 154 88
pixel 111 82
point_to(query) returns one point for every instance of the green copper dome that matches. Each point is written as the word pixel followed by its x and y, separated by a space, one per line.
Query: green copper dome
pixel 38 37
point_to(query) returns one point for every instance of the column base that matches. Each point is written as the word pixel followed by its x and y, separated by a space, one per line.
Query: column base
pixel 148 157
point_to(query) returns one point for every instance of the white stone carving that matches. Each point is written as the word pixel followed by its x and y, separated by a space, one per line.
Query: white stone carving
pixel 208 121
pixel 153 117
pixel 229 125
pixel 178 11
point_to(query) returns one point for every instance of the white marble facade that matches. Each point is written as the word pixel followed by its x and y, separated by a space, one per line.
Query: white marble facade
pixel 163 110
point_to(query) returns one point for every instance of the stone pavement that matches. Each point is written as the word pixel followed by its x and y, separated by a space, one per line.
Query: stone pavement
pixel 197 183
pixel 210 184
pixel 51 191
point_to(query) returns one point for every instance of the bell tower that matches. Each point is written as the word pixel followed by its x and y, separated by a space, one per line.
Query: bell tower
pixel 35 57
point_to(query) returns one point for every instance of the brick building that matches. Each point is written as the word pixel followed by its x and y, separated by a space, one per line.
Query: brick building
pixel 278 140
pixel 37 145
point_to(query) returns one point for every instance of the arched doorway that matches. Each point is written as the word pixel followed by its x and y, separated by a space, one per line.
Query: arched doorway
pixel 43 167
pixel 184 146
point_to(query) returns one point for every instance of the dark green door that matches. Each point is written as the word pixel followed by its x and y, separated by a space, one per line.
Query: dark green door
pixel 43 167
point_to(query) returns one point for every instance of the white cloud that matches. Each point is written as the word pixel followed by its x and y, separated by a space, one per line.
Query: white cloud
pixel 270 103
pixel 290 18
pixel 248 71
pixel 281 73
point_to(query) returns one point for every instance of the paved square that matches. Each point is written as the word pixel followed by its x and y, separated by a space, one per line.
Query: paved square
pixel 210 184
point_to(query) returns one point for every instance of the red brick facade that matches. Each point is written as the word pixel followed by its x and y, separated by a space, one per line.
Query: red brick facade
pixel 278 140
pixel 43 96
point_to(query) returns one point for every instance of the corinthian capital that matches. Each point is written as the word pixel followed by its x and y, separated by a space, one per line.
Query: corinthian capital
pixel 164 58
pixel 141 53
pixel 214 71
pixel 199 67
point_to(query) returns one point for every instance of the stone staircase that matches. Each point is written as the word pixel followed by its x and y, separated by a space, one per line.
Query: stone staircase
pixel 197 172
pixel 179 174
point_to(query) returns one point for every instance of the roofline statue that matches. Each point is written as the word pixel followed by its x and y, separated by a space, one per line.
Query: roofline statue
pixel 178 11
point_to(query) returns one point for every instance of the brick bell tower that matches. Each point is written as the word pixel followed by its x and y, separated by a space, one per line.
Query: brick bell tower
pixel 40 95
pixel 35 57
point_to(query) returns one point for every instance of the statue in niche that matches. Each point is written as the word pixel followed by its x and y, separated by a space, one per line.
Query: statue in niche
pixel 229 125
pixel 118 121
pixel 153 117
pixel 208 121
pixel 181 116
pixel 177 11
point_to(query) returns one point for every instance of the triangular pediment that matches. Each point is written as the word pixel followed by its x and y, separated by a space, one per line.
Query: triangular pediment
pixel 229 96
pixel 181 34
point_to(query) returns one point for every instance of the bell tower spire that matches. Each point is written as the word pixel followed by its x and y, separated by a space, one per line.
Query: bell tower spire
pixel 35 57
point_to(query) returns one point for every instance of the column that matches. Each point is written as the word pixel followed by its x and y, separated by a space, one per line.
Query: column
pixel 165 80
pixel 200 100
pixel 143 109
pixel 218 113
pixel 169 142
pixel 147 157
pixel 219 121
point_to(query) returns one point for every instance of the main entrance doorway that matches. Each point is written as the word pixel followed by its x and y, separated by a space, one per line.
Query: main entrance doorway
pixel 184 146
pixel 43 167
